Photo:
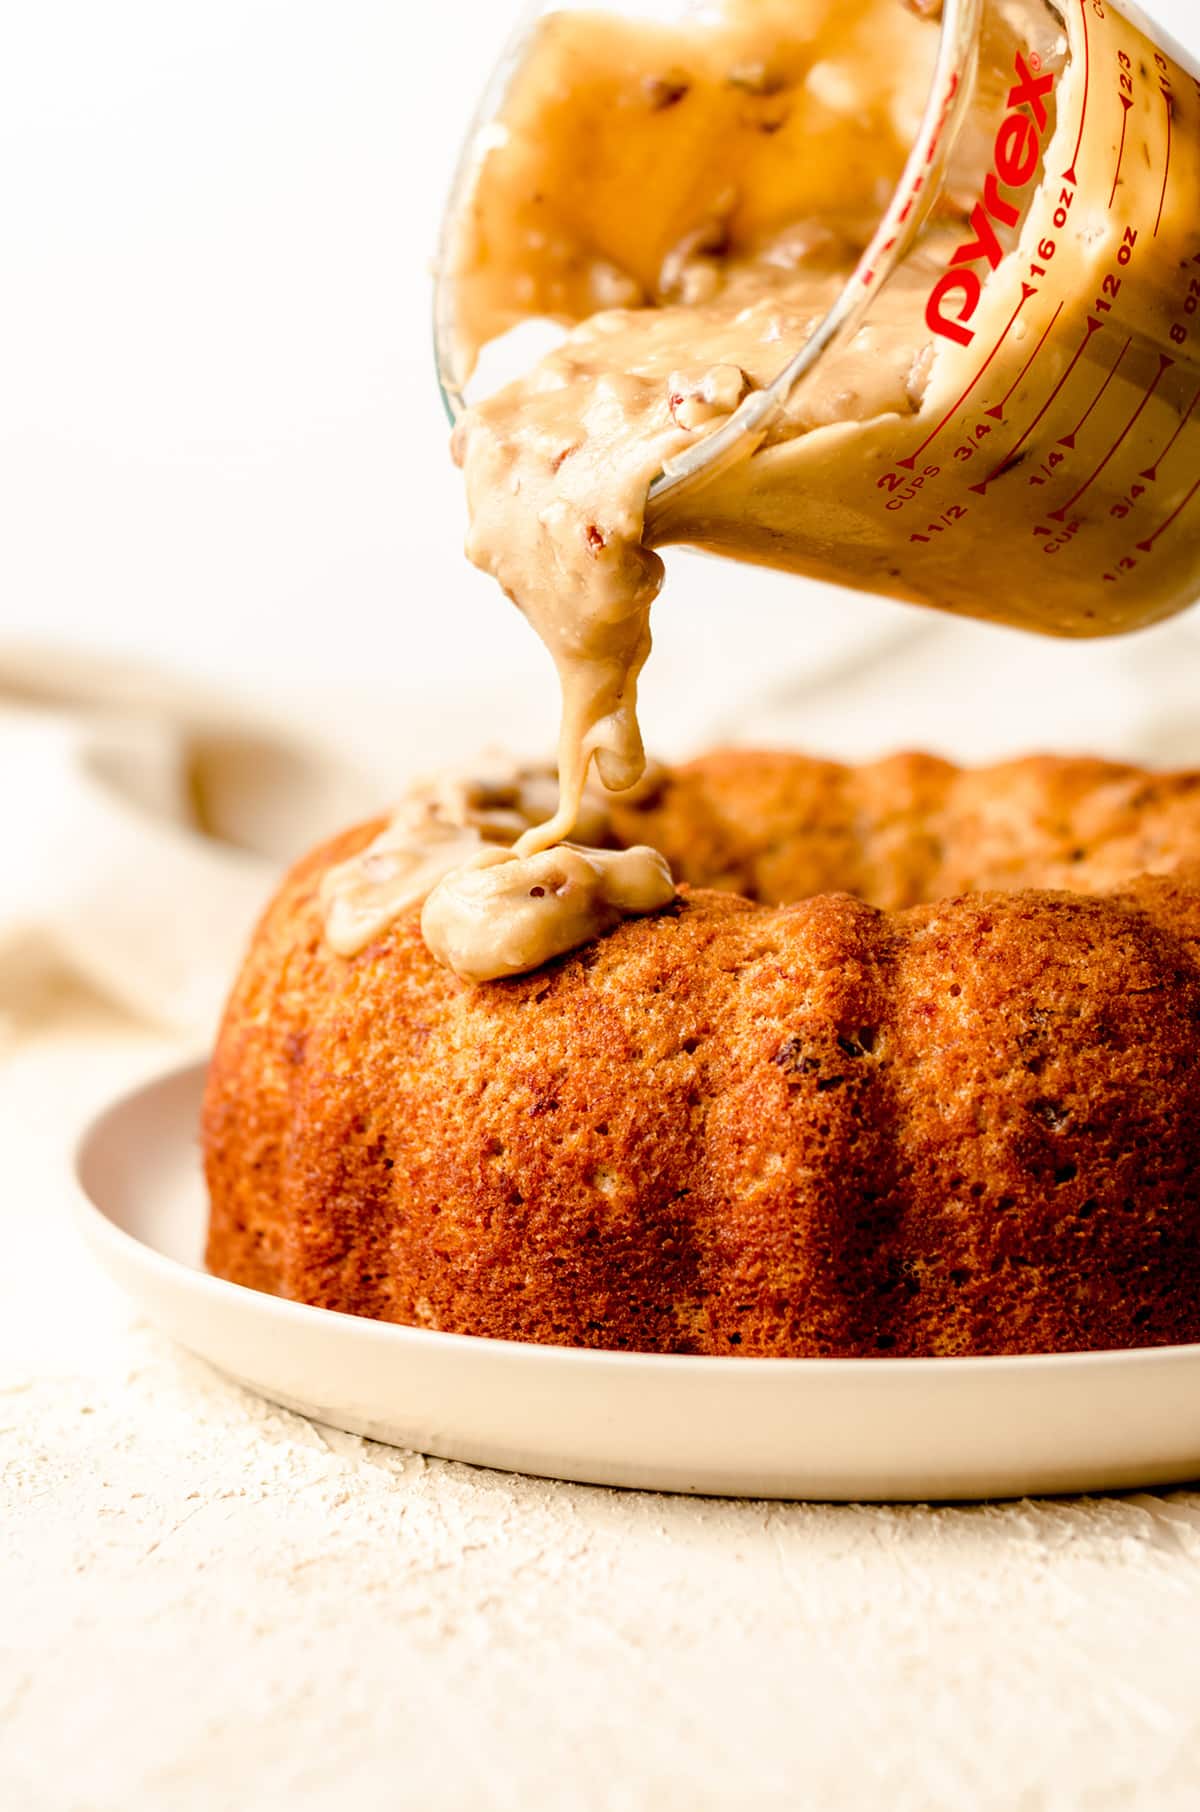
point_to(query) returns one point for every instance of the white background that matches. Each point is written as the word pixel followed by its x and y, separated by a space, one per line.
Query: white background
pixel 220 439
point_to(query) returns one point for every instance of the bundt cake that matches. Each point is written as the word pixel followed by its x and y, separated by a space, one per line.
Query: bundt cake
pixel 908 1066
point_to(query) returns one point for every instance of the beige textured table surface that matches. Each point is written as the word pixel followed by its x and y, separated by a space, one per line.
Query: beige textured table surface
pixel 206 1603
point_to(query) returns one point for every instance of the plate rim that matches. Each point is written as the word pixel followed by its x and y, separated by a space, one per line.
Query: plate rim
pixel 98 1228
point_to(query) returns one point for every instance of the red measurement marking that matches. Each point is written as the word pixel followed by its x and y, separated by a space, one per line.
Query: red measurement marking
pixel 1148 544
pixel 1164 364
pixel 998 411
pixel 1166 166
pixel 1093 326
pixel 1126 101
pixel 1027 290
pixel 869 276
pixel 1068 440
pixel 1069 172
pixel 1151 472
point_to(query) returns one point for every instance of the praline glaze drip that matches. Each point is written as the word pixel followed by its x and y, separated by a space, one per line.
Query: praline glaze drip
pixel 490 908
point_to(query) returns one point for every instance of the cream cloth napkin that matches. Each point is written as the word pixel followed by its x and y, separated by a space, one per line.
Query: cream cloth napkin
pixel 143 822
pixel 144 819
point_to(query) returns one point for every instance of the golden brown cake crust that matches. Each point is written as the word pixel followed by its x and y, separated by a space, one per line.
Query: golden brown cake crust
pixel 841 1126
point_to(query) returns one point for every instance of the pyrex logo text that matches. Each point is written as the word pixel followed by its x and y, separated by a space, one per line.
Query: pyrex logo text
pixel 956 294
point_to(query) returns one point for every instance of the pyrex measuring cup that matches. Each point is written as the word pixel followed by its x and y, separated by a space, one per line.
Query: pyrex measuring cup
pixel 1049 475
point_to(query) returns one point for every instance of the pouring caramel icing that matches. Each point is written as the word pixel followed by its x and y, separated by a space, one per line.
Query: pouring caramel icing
pixel 687 203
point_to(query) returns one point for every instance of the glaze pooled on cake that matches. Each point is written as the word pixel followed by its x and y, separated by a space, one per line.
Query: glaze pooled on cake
pixel 502 913
pixel 456 846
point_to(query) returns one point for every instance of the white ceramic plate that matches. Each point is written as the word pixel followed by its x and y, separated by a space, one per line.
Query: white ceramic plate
pixel 820 1428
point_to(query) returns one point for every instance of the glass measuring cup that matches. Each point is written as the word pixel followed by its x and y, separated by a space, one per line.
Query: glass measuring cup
pixel 1048 472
